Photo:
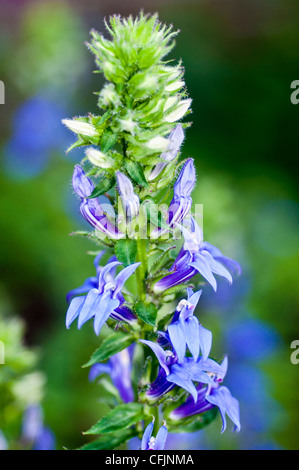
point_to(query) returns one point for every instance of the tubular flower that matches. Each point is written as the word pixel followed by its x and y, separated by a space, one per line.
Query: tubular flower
pixel 209 397
pixel 197 256
pixel 91 209
pixel 119 367
pixel 177 369
pixel 103 300
pixel 154 443
pixel 185 329
pixel 175 138
pixel 129 199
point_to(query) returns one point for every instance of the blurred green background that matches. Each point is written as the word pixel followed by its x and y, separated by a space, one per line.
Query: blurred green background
pixel 240 57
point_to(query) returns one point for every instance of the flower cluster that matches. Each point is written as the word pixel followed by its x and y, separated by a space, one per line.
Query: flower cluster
pixel 132 164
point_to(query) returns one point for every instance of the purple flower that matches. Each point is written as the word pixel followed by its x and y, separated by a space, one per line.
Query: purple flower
pixel 104 297
pixel 175 138
pixel 209 397
pixel 154 443
pixel 197 256
pixel 119 367
pixel 91 209
pixel 129 199
pixel 181 203
pixel 175 368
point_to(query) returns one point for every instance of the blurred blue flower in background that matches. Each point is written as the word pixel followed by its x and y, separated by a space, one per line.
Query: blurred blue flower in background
pixel 37 133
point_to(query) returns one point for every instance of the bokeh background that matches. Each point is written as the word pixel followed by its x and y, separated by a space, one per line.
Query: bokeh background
pixel 240 58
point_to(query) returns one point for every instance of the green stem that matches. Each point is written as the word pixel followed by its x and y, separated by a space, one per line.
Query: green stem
pixel 141 272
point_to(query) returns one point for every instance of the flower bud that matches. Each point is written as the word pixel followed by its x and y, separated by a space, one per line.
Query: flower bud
pixel 129 199
pixel 80 127
pixel 179 112
pixel 99 159
pixel 158 143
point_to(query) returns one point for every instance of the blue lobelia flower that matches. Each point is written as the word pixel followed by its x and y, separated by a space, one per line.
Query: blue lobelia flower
pixel 154 443
pixel 185 329
pixel 129 199
pixel 209 397
pixel 104 298
pixel 91 209
pixel 197 256
pixel 175 138
pixel 119 367
pixel 176 368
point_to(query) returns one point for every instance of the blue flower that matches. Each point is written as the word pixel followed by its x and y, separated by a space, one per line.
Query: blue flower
pixel 154 443
pixel 129 199
pixel 209 397
pixel 197 256
pixel 175 367
pixel 119 367
pixel 175 138
pixel 104 298
pixel 185 329
pixel 91 209
pixel 34 433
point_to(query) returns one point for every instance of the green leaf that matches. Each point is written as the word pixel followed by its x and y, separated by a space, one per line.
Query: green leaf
pixel 109 138
pixel 199 422
pixel 154 215
pixel 104 185
pixel 78 143
pixel 121 417
pixel 111 345
pixel 162 260
pixel 147 312
pixel 136 172
pixel 126 251
pixel 110 441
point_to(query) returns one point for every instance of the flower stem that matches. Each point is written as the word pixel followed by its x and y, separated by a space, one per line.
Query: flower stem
pixel 141 272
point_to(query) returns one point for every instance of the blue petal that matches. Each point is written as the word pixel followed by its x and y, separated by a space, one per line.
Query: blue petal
pixel 186 180
pixel 90 283
pixel 105 272
pixel 227 404
pixel 202 266
pixel 191 330
pixel 181 377
pixel 231 264
pixel 98 369
pixel 81 183
pixel 196 372
pixel 74 310
pixel 205 340
pixel 159 352
pixel 146 436
pixel 194 297
pixel 177 337
pixel 208 365
pixel 217 267
pixel 97 259
pixel 123 276
pixel 104 308
pixel 160 440
pixel 89 307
